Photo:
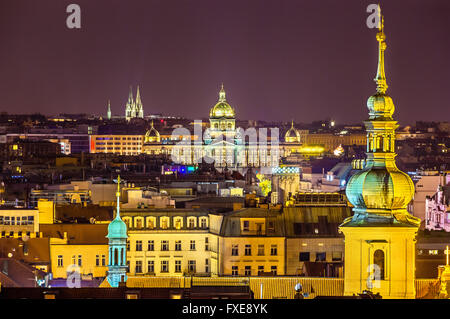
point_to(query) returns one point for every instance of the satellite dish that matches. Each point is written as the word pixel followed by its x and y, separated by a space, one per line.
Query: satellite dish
pixel 298 287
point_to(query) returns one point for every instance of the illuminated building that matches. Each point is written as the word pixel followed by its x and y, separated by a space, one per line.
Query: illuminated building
pixel 380 237
pixel 250 242
pixel 134 108
pixel 120 144
pixel 19 221
pixel 117 241
pixel 108 113
pixel 437 210
pixel 313 245
pixel 169 242
pixel 286 181
pixel 77 247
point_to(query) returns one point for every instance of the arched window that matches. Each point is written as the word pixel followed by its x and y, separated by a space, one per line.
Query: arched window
pixel 378 259
pixel 116 257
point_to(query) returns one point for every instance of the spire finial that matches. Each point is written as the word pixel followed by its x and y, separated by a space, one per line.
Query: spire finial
pixel 118 186
pixel 222 94
pixel 292 123
pixel 380 78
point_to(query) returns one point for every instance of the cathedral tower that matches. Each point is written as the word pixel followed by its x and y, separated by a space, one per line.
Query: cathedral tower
pixel 130 106
pixel 117 240
pixel 108 113
pixel 380 237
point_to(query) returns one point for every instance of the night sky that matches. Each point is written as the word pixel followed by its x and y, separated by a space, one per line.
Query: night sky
pixel 279 60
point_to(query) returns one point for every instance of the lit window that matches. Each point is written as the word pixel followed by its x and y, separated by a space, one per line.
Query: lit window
pixel 164 266
pixel 60 261
pixel 234 250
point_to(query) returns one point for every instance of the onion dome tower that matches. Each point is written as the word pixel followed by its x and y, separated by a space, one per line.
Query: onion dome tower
pixel 380 237
pixel 292 135
pixel 117 241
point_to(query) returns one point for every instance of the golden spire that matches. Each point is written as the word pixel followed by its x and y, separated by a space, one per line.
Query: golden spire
pixel 380 79
pixel 118 187
pixel 222 94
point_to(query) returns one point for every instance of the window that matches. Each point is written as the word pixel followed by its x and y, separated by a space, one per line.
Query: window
pixel 74 260
pixel 177 223
pixel 321 256
pixel 128 245
pixel 164 223
pixel 234 270
pixel 203 223
pixel 191 223
pixel 206 243
pixel 273 269
pixel 164 266
pixel 378 259
pixel 191 266
pixel 206 265
pixel 138 268
pixel 304 256
pixel 97 260
pixel 248 271
pixel 103 260
pixel 248 250
pixel 164 245
pixel 60 261
pixel 139 223
pixel 178 245
pixel 336 256
pixel 260 270
pixel 151 266
pixel 192 246
pixel 138 245
pixel 177 265
pixel 273 250
pixel 235 250
pixel 151 223
pixel 151 245
pixel 246 225
pixel 260 250
pixel 79 261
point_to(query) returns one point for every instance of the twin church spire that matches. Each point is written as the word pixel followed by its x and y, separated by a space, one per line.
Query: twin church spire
pixel 134 108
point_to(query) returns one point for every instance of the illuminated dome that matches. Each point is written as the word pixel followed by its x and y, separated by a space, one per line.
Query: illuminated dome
pixel 292 135
pixel 117 229
pixel 386 188
pixel 380 105
pixel 152 135
pixel 379 191
pixel 222 109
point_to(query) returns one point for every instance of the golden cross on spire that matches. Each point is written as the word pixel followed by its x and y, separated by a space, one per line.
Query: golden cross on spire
pixel 118 186
pixel 380 78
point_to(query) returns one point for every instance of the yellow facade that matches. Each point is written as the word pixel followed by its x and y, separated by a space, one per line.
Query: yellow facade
pixel 397 278
pixel 117 144
pixel 90 258
pixel 248 256
pixel 46 211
